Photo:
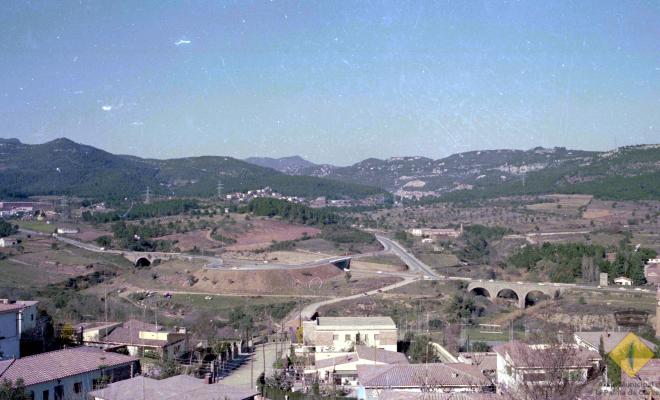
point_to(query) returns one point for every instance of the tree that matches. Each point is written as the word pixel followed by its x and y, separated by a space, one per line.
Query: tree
pixel 6 228
pixel 104 241
pixel 13 390
pixel 168 368
pixel 421 350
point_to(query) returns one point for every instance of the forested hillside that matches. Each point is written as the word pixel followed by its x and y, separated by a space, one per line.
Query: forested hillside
pixel 65 167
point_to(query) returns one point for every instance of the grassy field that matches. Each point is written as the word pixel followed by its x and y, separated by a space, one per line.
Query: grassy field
pixel 13 274
pixel 387 259
pixel 221 306
pixel 438 260
pixel 36 226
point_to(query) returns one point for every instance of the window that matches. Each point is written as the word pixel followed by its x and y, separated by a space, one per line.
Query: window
pixel 335 338
pixel 59 392
pixel 347 338
pixel 375 337
pixel 31 317
pixel 77 387
pixel 45 395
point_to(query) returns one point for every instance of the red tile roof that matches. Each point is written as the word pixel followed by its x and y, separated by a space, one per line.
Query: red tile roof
pixel 383 356
pixel 129 333
pixel 419 375
pixel 525 356
pixel 179 387
pixel 401 395
pixel 12 307
pixel 339 360
pixel 60 364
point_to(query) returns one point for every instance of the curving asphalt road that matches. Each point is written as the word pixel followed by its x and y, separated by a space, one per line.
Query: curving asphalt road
pixel 410 260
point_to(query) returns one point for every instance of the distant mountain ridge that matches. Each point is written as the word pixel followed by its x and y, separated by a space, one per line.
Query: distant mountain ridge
pixel 627 172
pixel 292 165
pixel 65 167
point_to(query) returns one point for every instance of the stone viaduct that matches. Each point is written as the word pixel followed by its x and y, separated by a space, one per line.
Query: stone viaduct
pixel 145 259
pixel 520 291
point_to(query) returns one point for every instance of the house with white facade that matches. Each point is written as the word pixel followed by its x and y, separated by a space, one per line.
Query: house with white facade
pixel 522 364
pixel 28 314
pixel 139 338
pixel 341 368
pixel 623 281
pixel 342 334
pixel 68 374
pixel 10 336
pixel 8 242
pixel 434 379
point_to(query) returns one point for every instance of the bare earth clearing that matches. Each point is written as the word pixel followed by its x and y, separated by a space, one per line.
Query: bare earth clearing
pixel 264 232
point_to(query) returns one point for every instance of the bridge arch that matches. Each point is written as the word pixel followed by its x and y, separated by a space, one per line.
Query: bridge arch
pixel 507 293
pixel 534 297
pixel 142 262
pixel 481 291
pixel 519 291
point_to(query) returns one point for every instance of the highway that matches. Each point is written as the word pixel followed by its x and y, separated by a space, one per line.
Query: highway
pixel 414 265
pixel 417 266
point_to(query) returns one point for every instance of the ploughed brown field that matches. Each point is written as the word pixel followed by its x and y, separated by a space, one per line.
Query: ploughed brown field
pixel 264 232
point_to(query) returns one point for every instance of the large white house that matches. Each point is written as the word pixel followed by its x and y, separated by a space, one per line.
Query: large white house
pixel 342 367
pixel 462 380
pixel 139 338
pixel 522 364
pixel 10 335
pixel 68 374
pixel 27 314
pixel 342 334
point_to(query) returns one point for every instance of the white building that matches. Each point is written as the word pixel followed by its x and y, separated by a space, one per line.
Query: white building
pixel 342 334
pixel 623 281
pixel 523 364
pixel 65 231
pixel 28 314
pixel 10 337
pixel 139 338
pixel 68 374
pixel 342 367
pixel 7 242
pixel 433 379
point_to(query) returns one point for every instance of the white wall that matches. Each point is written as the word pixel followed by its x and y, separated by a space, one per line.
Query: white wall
pixel 87 380
pixel 9 346
pixel 340 343
pixel 28 319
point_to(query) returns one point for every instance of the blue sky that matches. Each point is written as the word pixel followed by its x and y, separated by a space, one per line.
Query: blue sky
pixel 333 81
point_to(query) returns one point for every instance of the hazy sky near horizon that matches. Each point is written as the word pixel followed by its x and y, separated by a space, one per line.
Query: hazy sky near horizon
pixel 332 81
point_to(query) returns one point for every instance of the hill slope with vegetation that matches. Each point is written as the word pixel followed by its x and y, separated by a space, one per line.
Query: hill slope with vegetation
pixel 627 173
pixel 63 167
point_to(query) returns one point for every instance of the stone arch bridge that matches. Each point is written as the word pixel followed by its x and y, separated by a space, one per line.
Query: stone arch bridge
pixel 521 291
pixel 146 258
